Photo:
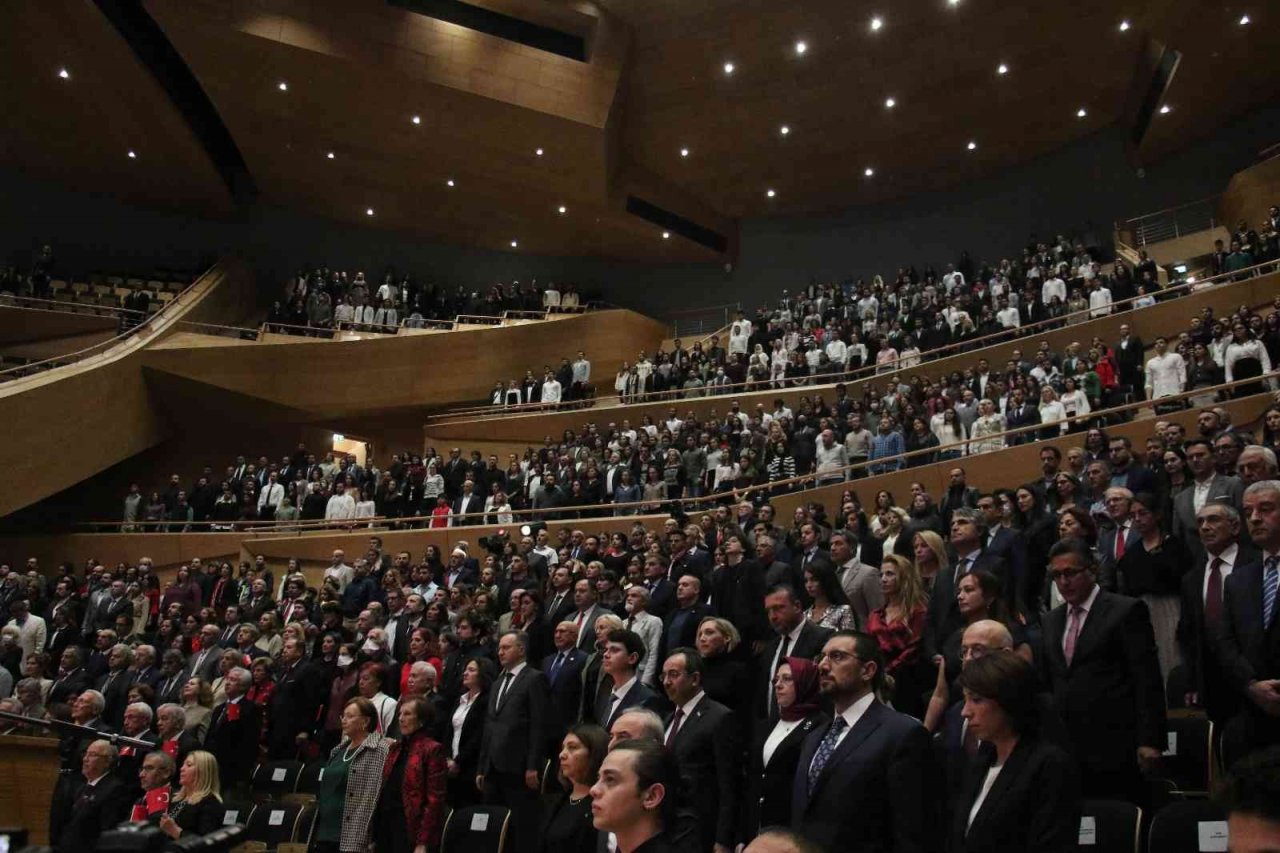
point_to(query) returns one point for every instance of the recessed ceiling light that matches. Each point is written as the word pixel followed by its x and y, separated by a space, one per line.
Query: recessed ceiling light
pixel 972 146
pixel 801 47
pixel 449 182
pixel 1244 20
pixel 133 154
pixel 1124 26
pixel 876 23
pixel 666 235
pixel 538 152
pixel 282 86
pixel 329 155
pixel 728 68
pixel 1002 68
pixel 784 130
pixel 868 171
pixel 515 244
pixel 953 2
pixel 770 193
pixel 1165 110
pixel 684 152
pixel 890 103
pixel 368 211
pixel 64 74
pixel 417 119
pixel 1081 113
pixel 564 209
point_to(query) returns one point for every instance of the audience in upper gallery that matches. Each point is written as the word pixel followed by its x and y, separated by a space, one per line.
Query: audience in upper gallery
pixel 321 299
pixel 1122 612
pixel 686 458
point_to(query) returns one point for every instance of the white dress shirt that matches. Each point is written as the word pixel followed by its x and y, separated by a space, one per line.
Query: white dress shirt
pixel 780 731
pixel 687 709
pixel 1166 375
pixel 852 714
pixel 1228 558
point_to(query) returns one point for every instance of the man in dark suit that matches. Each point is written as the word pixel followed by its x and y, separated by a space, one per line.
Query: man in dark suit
pixel 1006 544
pixel 560 604
pixel 172 677
pixel 1200 619
pixel 1019 413
pixel 1115 541
pixel 235 728
pixel 72 678
pixel 1100 664
pixel 144 667
pixel 114 685
pixel 1125 471
pixel 662 592
pixel 810 552
pixel 1131 356
pixel 563 669
pixel 960 495
pixel 619 686
pixel 869 755
pixel 468 502
pixel 512 753
pixel 300 689
pixel 100 802
pixel 1249 641
pixel 795 637
pixel 685 558
pixel 1207 484
pixel 680 627
pixel 737 591
pixel 587 610
pixel 968 532
pixel 204 663
pixel 702 735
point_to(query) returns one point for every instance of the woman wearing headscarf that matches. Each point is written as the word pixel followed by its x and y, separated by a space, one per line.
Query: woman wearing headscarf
pixel 775 752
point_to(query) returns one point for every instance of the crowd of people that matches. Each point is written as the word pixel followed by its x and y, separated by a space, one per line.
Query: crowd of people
pixel 317 299
pixel 627 468
pixel 866 676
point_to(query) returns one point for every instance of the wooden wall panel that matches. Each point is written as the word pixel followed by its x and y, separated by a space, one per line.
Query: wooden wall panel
pixel 1163 318
pixel 28 774
pixel 1250 194
pixel 25 325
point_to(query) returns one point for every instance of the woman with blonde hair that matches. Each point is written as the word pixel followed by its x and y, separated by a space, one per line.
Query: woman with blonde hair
pixel 898 628
pixel 930 558
pixel 725 677
pixel 197 707
pixel 197 808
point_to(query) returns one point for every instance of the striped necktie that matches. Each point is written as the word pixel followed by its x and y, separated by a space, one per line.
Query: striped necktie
pixel 1270 580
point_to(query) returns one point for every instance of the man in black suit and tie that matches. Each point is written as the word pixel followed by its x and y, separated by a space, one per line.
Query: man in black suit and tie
pixel 235 728
pixel 959 495
pixel 1006 544
pixel 1125 471
pixel 796 637
pixel 300 690
pixel 1020 413
pixel 560 604
pixel 586 611
pixel 1207 486
pixel 563 669
pixel 512 753
pixel 1200 620
pixel 662 592
pixel 968 532
pixel 620 687
pixel 702 735
pixel 100 802
pixel 114 685
pixel 72 679
pixel 1131 357
pixel 680 627
pixel 1100 664
pixel 810 552
pixel 467 502
pixel 863 783
pixel 172 677
pixel 1249 641
pixel 204 663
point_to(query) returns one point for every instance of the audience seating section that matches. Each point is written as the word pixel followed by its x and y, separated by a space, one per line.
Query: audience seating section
pixel 1110 826
pixel 476 829
pixel 1188 827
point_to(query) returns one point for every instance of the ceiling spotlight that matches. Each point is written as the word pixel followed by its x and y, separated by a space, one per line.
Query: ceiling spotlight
pixel 515 244
pixel 1124 26
pixel 1081 113
pixel 64 74
pixel 876 23
pixel 329 155
pixel 801 47
pixel 770 193
pixel 133 154
pixel 282 86
pixel 1002 69
pixel 417 119
pixel 784 130
pixel 1244 20
pixel 538 152
pixel 728 68
pixel 890 103
pixel 868 171
pixel 684 152
pixel 666 235
pixel 368 211
pixel 1165 110
pixel 953 2
pixel 449 182
pixel 973 146
pixel 564 209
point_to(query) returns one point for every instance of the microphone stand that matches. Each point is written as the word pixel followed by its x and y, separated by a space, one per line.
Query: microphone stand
pixel 60 727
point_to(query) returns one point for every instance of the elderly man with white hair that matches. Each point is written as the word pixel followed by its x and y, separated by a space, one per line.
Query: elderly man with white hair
pixel 171 721
pixel 1256 463
pixel 235 730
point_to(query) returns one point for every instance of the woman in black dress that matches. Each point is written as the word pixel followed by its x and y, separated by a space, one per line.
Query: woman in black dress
pixel 197 809
pixel 569 828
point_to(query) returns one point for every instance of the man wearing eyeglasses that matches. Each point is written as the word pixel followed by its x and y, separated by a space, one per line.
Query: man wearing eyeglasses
pixel 1100 664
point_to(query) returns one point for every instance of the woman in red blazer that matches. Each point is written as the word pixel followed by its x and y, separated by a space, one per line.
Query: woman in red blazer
pixel 410 815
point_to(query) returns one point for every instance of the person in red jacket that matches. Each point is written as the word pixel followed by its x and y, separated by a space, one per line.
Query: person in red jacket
pixel 410 812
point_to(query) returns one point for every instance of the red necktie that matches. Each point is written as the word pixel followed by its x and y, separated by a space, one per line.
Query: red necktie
pixel 1213 595
pixel 1120 536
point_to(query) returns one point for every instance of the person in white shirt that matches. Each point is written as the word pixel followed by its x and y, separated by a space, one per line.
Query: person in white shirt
pixel 363 315
pixel 341 505
pixel 1008 315
pixel 1052 287
pixel 738 340
pixel 550 389
pixel 551 297
pixel 272 496
pixel 386 316
pixel 832 458
pixel 581 373
pixel 1051 411
pixel 1166 372
pixel 1099 299
pixel 344 314
pixel 339 570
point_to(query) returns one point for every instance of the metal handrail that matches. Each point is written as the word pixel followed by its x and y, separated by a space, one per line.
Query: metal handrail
pixel 62 306
pixel 482 412
pixel 251 526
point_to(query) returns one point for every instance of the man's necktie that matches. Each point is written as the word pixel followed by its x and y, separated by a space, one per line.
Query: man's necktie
pixel 1120 536
pixel 675 727
pixel 1073 632
pixel 825 750
pixel 555 667
pixel 783 648
pixel 1213 595
pixel 502 691
pixel 1270 579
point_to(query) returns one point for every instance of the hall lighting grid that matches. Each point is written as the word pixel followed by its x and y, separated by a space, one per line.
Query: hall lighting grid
pixel 538 152
pixel 563 209
pixel 368 211
pixel 869 171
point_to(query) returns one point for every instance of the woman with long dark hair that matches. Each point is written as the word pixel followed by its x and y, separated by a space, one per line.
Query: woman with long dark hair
pixel 569 827
pixel 1153 572
pixel 830 607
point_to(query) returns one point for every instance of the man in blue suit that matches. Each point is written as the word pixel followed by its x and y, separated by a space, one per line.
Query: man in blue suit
pixel 563 669
pixel 870 756
pixel 620 687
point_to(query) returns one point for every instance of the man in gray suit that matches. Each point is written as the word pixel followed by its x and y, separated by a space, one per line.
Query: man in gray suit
pixel 204 663
pixel 513 751
pixel 860 581
pixel 1208 486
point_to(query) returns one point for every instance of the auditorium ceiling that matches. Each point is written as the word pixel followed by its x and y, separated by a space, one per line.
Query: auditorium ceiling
pixel 677 119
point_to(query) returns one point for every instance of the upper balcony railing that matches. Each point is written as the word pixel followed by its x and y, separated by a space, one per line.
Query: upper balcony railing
pixel 1170 223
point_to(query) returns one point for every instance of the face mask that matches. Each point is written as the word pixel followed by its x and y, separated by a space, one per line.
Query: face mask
pixel 344 661
pixel 628 607
pixel 370 647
